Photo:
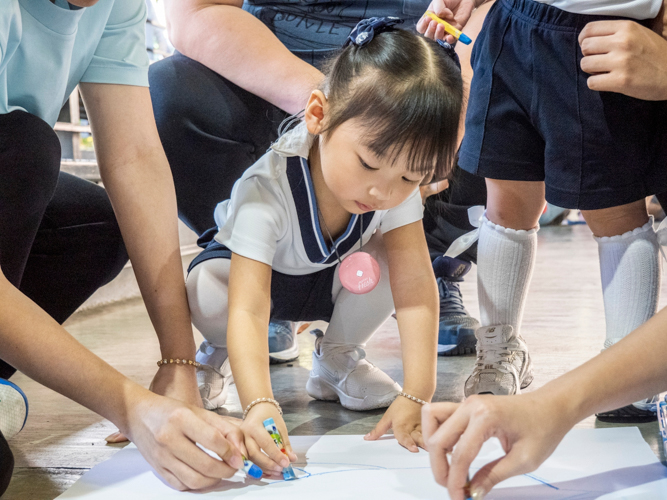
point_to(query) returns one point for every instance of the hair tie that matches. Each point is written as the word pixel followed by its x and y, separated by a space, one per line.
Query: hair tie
pixel 449 49
pixel 366 29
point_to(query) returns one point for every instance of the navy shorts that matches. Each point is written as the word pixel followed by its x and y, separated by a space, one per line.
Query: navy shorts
pixel 532 117
pixel 293 297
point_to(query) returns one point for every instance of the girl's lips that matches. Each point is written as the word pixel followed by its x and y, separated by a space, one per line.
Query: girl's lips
pixel 365 208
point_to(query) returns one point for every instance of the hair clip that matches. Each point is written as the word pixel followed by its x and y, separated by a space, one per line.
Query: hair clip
pixel 449 49
pixel 366 29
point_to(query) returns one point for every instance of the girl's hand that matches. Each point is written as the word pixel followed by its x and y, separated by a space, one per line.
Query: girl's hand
pixel 455 12
pixel 529 429
pixel 404 416
pixel 165 432
pixel 257 439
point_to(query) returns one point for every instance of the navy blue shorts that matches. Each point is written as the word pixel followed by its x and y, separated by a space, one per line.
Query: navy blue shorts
pixel 293 297
pixel 532 117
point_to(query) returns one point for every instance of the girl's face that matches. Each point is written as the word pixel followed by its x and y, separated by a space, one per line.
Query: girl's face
pixel 359 180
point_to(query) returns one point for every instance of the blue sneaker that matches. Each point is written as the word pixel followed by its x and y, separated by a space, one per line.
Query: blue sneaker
pixel 456 333
pixel 283 346
pixel 13 409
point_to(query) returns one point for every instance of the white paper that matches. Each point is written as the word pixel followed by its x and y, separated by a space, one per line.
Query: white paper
pixel 589 463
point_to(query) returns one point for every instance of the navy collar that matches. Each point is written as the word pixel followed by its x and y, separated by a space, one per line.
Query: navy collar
pixel 317 248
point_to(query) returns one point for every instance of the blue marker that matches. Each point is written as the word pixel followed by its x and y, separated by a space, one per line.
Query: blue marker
pixel 251 469
pixel 662 422
pixel 270 426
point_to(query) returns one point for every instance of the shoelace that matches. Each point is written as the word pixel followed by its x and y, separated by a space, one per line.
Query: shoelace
pixel 451 300
pixel 353 354
pixel 495 356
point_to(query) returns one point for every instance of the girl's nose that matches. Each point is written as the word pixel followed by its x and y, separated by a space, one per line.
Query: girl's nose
pixel 380 193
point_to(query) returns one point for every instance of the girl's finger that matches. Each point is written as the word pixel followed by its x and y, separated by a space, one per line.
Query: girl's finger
pixel 291 456
pixel 265 442
pixel 418 438
pixel 405 440
pixel 261 460
pixel 380 429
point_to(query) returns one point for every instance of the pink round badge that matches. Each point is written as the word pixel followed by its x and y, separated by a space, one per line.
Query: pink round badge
pixel 359 273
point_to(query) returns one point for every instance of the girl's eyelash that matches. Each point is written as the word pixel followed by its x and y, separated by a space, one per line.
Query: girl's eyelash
pixel 410 181
pixel 365 165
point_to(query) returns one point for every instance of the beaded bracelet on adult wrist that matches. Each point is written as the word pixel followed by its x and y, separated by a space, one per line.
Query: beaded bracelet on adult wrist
pixel 184 362
pixel 412 398
pixel 262 400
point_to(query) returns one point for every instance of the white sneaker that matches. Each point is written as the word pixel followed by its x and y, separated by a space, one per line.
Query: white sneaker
pixel 13 409
pixel 214 376
pixel 341 373
pixel 503 363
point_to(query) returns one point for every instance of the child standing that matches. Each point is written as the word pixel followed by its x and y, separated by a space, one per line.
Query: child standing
pixel 535 130
pixel 346 177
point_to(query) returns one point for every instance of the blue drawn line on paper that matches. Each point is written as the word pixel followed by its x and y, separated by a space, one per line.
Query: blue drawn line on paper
pixel 543 481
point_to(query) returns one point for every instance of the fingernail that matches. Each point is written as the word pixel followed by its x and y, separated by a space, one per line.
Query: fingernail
pixel 236 462
pixel 477 493
pixel 367 435
pixel 111 437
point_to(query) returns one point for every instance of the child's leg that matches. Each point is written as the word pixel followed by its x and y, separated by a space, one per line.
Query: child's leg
pixel 505 260
pixel 629 265
pixel 340 370
pixel 207 288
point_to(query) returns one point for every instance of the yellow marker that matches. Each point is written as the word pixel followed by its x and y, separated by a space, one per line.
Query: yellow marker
pixel 450 29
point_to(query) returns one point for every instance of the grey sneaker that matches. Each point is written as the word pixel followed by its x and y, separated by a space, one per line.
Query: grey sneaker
pixel 503 363
pixel 214 376
pixel 283 346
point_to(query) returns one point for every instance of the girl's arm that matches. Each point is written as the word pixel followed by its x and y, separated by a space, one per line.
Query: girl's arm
pixel 415 295
pixel 531 425
pixel 248 347
pixel 237 45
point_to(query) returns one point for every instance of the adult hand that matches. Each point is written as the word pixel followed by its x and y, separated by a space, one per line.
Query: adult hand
pixel 625 57
pixel 404 416
pixel 529 429
pixel 165 432
pixel 433 188
pixel 455 12
pixel 176 382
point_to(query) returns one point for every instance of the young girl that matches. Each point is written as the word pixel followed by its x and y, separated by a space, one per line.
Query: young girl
pixel 384 122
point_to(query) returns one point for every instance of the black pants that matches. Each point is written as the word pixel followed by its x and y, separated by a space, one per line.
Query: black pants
pixel 59 239
pixel 213 130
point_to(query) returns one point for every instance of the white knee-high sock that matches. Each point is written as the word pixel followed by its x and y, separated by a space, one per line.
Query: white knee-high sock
pixel 630 269
pixel 505 261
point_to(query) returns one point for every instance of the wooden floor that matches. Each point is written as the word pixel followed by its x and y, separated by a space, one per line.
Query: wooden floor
pixel 563 325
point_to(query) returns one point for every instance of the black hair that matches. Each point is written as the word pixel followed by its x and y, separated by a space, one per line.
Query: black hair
pixel 407 90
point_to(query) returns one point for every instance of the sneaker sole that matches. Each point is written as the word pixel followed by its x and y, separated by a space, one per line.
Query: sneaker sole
pixel 8 390
pixel 323 390
pixel 627 415
pixel 466 342
pixel 285 356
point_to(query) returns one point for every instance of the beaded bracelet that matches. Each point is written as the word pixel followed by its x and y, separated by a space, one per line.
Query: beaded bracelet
pixel 184 362
pixel 262 400
pixel 412 398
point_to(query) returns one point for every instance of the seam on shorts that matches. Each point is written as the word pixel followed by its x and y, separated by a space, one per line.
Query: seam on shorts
pixel 553 27
pixel 580 125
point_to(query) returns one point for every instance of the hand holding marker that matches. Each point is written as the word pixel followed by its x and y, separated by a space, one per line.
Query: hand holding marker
pixel 272 429
pixel 450 29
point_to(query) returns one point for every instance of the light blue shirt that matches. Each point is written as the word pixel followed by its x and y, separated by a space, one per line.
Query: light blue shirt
pixel 46 49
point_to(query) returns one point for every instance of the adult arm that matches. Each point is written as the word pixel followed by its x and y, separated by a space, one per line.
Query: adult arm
pixel 416 300
pixel 138 179
pixel 239 47
pixel 531 425
pixel 164 430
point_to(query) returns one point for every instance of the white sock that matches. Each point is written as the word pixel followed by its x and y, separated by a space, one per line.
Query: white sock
pixel 505 261
pixel 630 269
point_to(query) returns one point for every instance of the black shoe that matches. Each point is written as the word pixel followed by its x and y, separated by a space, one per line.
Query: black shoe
pixel 630 414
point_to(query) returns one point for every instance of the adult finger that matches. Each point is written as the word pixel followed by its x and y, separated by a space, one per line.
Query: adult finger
pixel 514 463
pixel 596 64
pixel 430 30
pixel 200 461
pixel 172 480
pixel 116 437
pixel 597 45
pixel 443 441
pixel 606 82
pixel 600 28
pixel 230 428
pixel 192 479
pixel 466 450
pixel 380 429
pixel 434 414
pixel 212 439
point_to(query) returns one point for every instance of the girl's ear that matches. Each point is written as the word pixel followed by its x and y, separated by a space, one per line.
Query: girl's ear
pixel 316 111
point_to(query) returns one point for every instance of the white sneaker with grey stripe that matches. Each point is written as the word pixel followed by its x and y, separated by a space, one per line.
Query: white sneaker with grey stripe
pixel 503 363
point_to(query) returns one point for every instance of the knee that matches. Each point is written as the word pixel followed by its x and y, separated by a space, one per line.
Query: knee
pixel 206 288
pixel 515 204
pixel 616 220
pixel 32 161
